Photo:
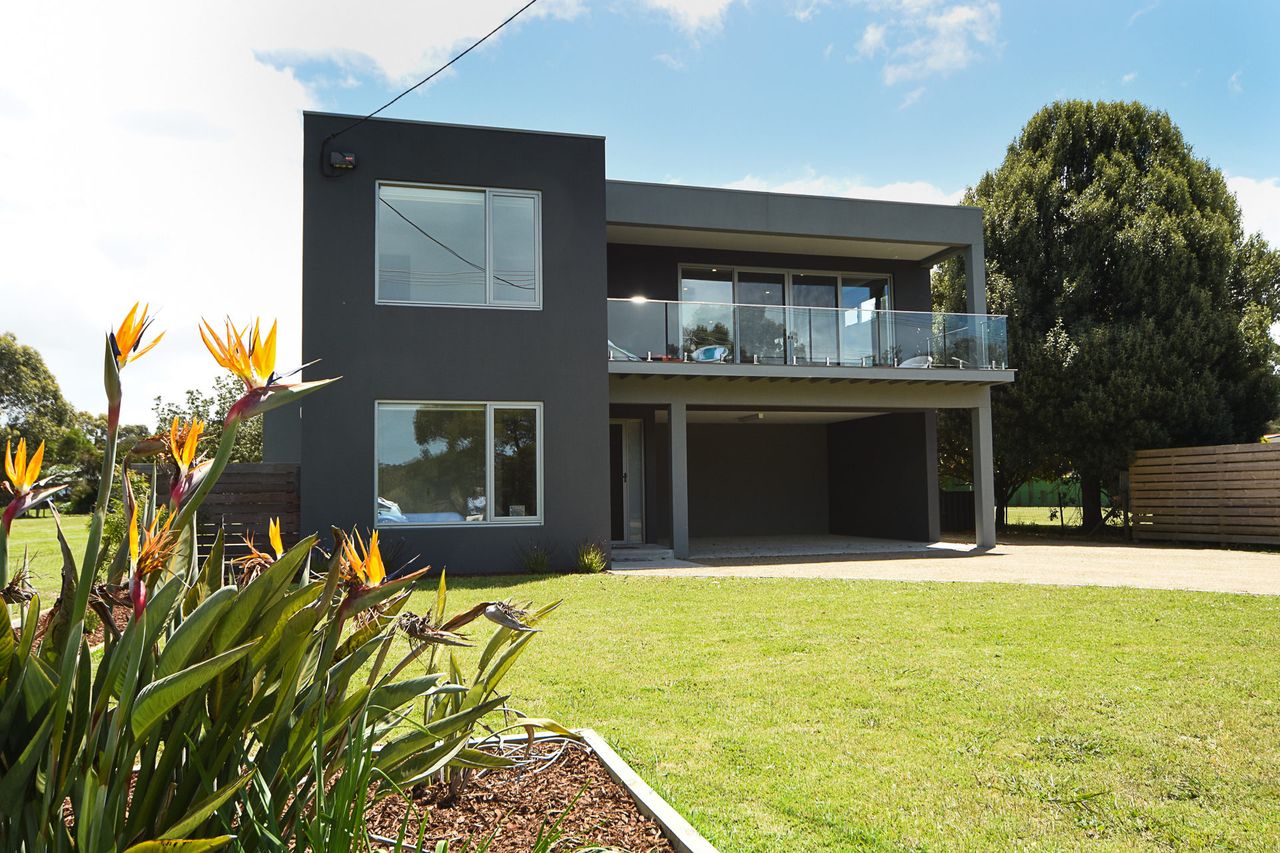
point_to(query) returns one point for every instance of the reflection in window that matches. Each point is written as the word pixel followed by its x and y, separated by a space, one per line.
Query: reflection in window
pixel 437 463
pixel 515 462
pixel 515 245
pixel 457 247
pixel 706 329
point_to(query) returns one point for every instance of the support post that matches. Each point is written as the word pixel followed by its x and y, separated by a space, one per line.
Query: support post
pixel 975 270
pixel 984 504
pixel 679 422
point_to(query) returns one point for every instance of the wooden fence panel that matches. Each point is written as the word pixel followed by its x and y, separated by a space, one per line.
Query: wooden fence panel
pixel 1227 493
pixel 243 501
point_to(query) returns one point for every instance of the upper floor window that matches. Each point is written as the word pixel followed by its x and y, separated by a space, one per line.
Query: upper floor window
pixel 450 246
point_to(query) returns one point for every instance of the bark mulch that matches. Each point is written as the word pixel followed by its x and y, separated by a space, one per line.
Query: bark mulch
pixel 518 803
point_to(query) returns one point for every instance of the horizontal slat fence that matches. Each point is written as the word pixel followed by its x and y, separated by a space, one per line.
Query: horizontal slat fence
pixel 1227 493
pixel 244 500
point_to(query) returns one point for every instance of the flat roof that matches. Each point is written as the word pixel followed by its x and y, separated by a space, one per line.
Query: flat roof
pixel 354 118
pixel 679 215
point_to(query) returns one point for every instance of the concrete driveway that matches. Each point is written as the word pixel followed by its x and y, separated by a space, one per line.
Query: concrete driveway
pixel 1070 564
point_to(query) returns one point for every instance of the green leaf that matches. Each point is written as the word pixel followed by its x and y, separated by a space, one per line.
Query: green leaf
pixel 480 759
pixel 261 592
pixel 186 845
pixel 201 810
pixel 403 747
pixel 193 632
pixel 158 697
pixel 389 697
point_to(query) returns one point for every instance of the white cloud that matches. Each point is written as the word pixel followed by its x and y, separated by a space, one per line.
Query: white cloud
pixel 872 41
pixel 1129 78
pixel 160 160
pixel 1234 85
pixel 670 61
pixel 1138 13
pixel 804 10
pixel 1259 200
pixel 810 182
pixel 924 38
pixel 693 17
pixel 911 97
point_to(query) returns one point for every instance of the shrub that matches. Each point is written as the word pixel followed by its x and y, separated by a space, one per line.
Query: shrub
pixel 535 557
pixel 239 705
pixel 592 558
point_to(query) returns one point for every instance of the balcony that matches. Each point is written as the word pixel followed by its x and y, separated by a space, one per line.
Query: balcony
pixel 712 333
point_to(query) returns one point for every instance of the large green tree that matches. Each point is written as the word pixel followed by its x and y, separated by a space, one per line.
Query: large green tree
pixel 211 406
pixel 31 403
pixel 1138 310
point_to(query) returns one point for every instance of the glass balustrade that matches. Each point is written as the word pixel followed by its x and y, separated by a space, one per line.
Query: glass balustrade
pixel 721 333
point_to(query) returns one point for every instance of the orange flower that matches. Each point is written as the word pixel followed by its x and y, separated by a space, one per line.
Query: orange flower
pixel 24 481
pixel 157 546
pixel 365 566
pixel 255 363
pixel 183 441
pixel 273 534
pixel 22 474
pixel 126 340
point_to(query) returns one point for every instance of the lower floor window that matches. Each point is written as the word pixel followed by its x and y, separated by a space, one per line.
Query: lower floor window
pixel 458 463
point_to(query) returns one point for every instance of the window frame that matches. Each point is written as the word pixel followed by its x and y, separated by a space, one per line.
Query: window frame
pixel 489 193
pixel 840 274
pixel 490 519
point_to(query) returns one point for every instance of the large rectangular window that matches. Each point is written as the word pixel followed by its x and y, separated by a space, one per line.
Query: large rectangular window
pixel 458 463
pixel 455 246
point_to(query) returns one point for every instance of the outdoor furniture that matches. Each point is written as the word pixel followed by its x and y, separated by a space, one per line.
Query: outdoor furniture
pixel 710 354
pixel 918 361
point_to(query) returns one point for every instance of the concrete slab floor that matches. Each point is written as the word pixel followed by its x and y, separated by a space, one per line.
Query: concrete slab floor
pixel 1148 566
pixel 809 545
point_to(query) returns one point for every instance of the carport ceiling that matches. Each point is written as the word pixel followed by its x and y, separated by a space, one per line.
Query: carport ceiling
pixel 701 416
pixel 789 244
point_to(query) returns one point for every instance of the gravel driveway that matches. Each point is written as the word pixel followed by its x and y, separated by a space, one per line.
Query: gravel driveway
pixel 1149 566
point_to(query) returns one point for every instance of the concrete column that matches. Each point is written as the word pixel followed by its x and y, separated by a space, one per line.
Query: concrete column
pixel 679 422
pixel 975 267
pixel 984 503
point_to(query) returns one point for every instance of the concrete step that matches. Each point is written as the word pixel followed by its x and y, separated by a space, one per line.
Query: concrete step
pixel 642 554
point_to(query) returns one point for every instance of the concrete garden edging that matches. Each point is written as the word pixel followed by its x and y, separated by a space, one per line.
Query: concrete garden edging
pixel 683 837
pixel 678 831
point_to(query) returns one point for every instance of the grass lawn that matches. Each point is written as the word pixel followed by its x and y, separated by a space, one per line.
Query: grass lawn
pixel 856 715
pixel 806 715
pixel 40 538
pixel 1046 516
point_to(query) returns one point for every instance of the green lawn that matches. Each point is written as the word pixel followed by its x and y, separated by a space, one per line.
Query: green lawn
pixel 847 715
pixel 859 715
pixel 40 538
pixel 1047 516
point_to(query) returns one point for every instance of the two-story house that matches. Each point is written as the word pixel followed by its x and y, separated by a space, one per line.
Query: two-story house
pixel 533 353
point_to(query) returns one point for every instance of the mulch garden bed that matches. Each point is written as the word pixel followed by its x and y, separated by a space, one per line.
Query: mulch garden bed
pixel 95 635
pixel 518 802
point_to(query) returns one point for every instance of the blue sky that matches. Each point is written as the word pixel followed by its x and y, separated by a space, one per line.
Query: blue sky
pixel 155 150
pixel 779 90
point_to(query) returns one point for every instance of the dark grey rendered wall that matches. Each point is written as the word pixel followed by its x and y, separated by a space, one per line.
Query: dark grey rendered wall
pixel 653 271
pixel 384 352
pixel 884 476
pixel 753 479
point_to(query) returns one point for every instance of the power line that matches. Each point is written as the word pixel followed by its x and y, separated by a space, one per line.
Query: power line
pixel 478 267
pixel 424 80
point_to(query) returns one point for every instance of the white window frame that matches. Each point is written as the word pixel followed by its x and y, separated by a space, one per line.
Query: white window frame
pixel 489 193
pixel 490 519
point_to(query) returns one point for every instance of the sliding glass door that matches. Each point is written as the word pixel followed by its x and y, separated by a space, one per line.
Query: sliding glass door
pixel 762 318
pixel 865 339
pixel 772 316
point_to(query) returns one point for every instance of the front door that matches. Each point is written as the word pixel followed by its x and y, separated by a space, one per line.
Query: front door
pixel 626 481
